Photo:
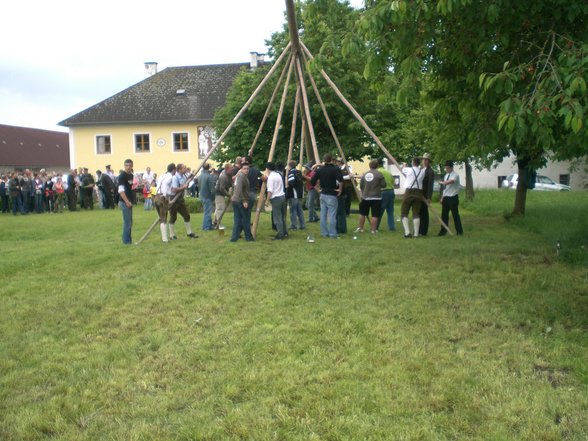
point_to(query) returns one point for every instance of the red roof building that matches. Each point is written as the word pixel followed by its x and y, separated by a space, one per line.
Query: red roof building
pixel 24 147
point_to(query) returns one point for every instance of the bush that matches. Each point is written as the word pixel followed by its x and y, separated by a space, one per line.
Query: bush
pixel 194 205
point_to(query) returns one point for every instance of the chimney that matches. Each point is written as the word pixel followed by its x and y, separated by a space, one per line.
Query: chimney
pixel 256 60
pixel 150 68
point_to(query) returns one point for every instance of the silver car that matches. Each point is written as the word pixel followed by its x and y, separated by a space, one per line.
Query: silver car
pixel 542 183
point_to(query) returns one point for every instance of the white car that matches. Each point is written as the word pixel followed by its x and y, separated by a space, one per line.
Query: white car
pixel 542 183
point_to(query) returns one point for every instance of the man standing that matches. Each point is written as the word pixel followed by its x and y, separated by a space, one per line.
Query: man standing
pixel 450 199
pixel 162 197
pixel 241 208
pixel 206 186
pixel 428 182
pixel 87 189
pixel 388 197
pixel 371 185
pixel 72 199
pixel 330 180
pixel 294 192
pixel 126 200
pixel 179 185
pixel 4 193
pixel 413 196
pixel 254 177
pixel 277 197
pixel 311 191
pixel 223 187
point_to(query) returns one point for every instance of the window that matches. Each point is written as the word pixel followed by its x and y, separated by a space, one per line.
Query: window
pixel 564 179
pixel 103 144
pixel 141 142
pixel 180 142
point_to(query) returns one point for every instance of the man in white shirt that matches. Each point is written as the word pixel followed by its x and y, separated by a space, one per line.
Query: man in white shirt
pixel 450 199
pixel 413 196
pixel 162 198
pixel 277 197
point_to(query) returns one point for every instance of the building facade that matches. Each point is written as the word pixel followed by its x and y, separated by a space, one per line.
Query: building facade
pixel 165 118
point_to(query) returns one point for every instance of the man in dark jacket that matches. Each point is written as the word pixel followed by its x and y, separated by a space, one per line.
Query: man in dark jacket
pixel 294 193
pixel 428 182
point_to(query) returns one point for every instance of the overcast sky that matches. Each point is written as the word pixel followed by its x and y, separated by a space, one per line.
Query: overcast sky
pixel 59 57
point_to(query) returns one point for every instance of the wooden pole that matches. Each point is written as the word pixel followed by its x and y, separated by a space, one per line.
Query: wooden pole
pixel 443 224
pixel 261 198
pixel 333 133
pixel 269 106
pixel 353 111
pixel 293 127
pixel 367 128
pixel 227 130
pixel 306 107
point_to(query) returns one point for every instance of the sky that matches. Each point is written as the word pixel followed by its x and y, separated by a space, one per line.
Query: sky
pixel 59 57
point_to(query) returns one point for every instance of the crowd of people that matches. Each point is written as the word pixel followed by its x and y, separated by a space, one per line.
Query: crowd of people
pixel 24 192
pixel 326 188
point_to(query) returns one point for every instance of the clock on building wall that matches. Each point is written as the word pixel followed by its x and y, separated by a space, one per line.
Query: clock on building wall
pixel 161 142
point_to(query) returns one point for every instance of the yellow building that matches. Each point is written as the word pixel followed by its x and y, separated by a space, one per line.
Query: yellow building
pixel 165 118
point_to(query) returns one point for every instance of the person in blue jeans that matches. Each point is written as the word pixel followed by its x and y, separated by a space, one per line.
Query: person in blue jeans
pixel 330 178
pixel 241 208
pixel 206 185
pixel 126 200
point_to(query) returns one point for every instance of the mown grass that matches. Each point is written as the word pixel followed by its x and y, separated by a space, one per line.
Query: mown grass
pixel 481 337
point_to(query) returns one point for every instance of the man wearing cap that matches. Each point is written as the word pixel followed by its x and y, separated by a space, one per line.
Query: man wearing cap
pixel 428 182
pixel 450 199
pixel 277 197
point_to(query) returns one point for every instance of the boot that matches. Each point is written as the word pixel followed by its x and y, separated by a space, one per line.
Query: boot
pixel 189 230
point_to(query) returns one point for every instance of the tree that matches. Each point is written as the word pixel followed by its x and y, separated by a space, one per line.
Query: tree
pixel 502 76
pixel 323 25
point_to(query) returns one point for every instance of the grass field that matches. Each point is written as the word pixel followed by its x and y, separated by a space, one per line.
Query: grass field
pixel 481 337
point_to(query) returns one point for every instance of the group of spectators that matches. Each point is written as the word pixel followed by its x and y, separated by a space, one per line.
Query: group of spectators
pixel 24 192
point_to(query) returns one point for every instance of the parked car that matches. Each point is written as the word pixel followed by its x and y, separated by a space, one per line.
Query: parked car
pixel 542 183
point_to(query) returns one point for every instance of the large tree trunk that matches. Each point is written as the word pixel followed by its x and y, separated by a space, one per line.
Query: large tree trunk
pixel 469 187
pixel 521 191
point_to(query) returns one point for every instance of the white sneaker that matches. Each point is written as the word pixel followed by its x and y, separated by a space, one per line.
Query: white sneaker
pixel 358 230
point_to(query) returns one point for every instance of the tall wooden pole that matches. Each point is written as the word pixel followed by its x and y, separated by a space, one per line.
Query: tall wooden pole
pixel 333 133
pixel 354 112
pixel 261 198
pixel 269 106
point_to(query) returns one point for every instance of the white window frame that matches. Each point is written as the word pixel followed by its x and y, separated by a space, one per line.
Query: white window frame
pixel 102 135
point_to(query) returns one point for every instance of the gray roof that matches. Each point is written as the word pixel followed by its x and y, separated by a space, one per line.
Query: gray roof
pixel 157 98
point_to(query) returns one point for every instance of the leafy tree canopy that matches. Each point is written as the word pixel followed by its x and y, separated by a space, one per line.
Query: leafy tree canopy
pixel 323 25
pixel 496 76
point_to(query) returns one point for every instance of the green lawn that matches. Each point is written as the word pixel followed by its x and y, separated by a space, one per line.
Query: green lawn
pixel 481 337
